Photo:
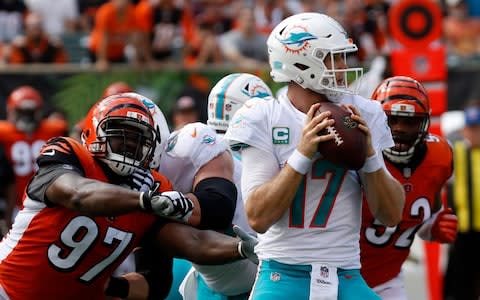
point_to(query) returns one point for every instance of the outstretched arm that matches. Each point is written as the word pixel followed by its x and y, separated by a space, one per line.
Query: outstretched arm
pixel 204 247
pixel 88 195
pixel 154 274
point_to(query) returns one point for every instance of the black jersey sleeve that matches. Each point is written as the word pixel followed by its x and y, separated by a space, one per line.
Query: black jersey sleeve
pixel 56 158
pixel 58 151
pixel 6 170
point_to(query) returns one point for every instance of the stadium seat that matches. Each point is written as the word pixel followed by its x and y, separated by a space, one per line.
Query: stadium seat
pixel 75 48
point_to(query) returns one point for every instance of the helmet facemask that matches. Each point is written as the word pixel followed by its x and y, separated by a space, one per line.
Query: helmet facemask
pixel 127 144
pixel 405 142
pixel 25 110
pixel 26 120
pixel 299 48
pixel 406 104
pixel 162 132
pixel 334 82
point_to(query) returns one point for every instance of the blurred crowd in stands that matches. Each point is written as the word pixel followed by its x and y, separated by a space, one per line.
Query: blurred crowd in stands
pixel 193 33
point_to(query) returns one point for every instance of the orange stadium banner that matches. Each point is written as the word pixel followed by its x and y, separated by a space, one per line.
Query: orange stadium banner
pixel 415 23
pixel 417 26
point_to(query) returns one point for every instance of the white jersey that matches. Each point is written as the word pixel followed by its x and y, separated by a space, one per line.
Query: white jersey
pixel 323 222
pixel 189 149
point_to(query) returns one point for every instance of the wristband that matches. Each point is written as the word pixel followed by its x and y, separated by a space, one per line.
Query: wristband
pixel 372 164
pixel 118 287
pixel 144 201
pixel 299 162
pixel 239 248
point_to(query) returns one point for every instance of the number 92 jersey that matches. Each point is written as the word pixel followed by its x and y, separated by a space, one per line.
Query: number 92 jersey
pixel 385 249
pixel 53 252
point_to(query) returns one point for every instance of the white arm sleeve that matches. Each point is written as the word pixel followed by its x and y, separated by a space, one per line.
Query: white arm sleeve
pixel 258 167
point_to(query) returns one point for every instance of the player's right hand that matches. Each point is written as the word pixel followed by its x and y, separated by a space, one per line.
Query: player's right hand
pixel 314 123
pixel 173 205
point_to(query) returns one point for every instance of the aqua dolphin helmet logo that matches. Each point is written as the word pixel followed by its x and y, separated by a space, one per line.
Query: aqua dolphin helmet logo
pixel 255 91
pixel 297 38
pixel 148 103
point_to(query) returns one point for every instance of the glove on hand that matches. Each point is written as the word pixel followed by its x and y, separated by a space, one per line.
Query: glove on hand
pixel 141 180
pixel 444 229
pixel 173 205
pixel 247 244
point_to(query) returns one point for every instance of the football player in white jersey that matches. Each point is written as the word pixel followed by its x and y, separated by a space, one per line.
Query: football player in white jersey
pixel 308 209
pixel 197 158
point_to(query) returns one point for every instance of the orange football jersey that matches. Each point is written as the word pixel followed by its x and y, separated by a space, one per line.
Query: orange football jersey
pixel 385 249
pixel 22 149
pixel 53 252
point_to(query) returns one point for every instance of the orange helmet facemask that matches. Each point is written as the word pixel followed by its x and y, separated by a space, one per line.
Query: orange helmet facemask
pixel 24 108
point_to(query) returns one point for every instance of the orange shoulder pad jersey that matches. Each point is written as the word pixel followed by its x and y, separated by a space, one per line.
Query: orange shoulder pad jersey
pixel 385 249
pixel 22 149
pixel 53 252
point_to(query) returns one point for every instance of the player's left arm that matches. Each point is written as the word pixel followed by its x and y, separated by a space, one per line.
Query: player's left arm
pixel 153 274
pixel 211 204
pixel 440 227
pixel 205 247
pixel 384 194
pixel 214 194
pixel 154 277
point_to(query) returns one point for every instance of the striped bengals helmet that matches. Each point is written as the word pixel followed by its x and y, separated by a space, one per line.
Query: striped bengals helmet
pixel 119 131
pixel 403 96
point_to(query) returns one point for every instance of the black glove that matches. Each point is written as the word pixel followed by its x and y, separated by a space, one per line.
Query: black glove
pixel 172 204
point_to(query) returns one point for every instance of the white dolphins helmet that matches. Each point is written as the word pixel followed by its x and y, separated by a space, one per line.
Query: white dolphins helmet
pixel 229 94
pixel 162 132
pixel 298 46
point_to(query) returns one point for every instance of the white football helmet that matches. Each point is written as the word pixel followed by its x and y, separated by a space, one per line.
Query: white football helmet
pixel 298 47
pixel 162 132
pixel 229 94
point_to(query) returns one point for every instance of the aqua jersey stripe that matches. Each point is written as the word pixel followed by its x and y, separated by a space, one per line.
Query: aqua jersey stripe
pixel 221 97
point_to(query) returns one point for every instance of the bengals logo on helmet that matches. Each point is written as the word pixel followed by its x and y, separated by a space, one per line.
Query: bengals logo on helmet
pixel 109 119
pixel 402 95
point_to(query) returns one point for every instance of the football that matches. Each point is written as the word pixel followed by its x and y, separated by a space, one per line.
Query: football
pixel 349 147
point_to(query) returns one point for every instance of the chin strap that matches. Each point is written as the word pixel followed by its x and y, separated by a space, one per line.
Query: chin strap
pixel 399 157
pixel 402 157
